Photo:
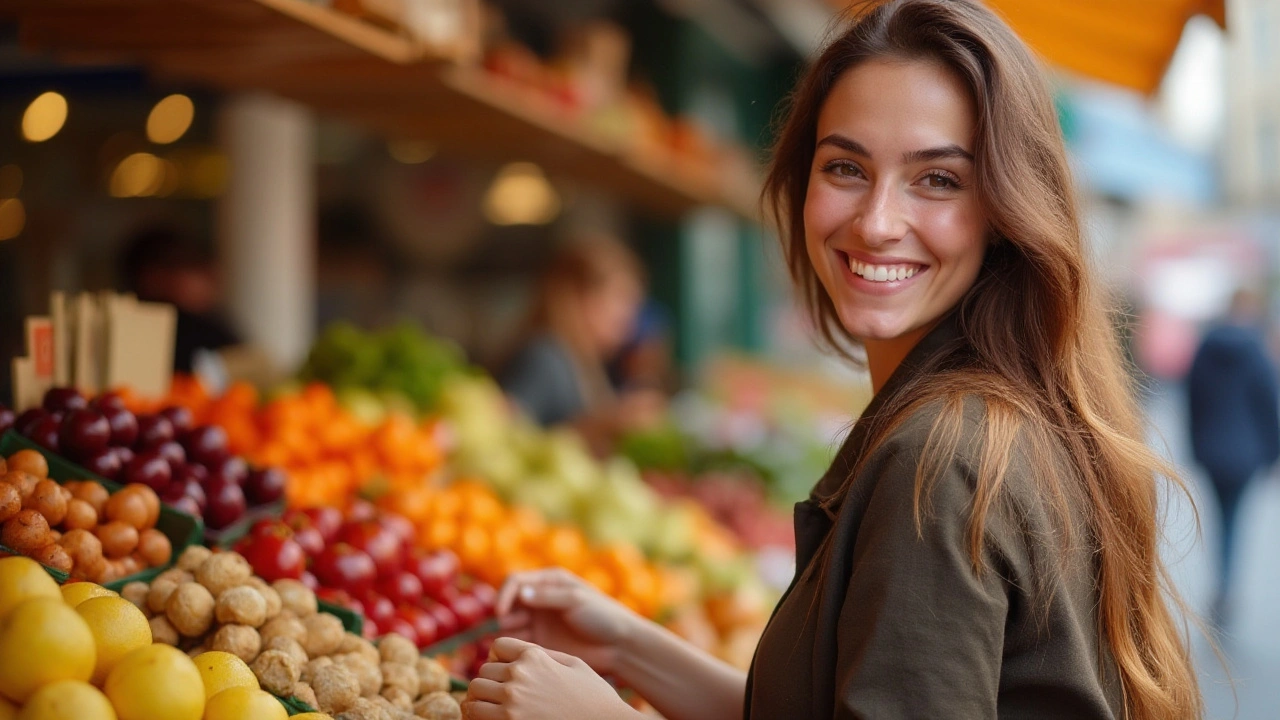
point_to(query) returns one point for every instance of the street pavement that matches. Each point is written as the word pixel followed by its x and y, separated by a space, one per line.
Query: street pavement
pixel 1247 685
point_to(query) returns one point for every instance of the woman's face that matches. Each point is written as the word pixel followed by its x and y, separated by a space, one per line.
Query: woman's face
pixel 609 311
pixel 892 222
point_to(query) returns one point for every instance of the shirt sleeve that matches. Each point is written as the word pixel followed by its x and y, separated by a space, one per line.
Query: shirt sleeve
pixel 543 384
pixel 921 634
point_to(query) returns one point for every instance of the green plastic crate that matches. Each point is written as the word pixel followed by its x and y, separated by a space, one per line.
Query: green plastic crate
pixel 183 530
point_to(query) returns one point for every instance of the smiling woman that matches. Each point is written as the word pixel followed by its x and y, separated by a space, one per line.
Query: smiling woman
pixel 984 544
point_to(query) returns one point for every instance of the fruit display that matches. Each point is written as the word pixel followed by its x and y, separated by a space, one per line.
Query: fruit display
pixel 327 452
pixel 400 368
pixel 242 631
pixel 78 527
pixel 188 464
pixel 737 501
pixel 368 560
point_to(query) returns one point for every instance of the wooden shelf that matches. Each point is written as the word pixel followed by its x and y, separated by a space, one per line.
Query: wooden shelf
pixel 342 66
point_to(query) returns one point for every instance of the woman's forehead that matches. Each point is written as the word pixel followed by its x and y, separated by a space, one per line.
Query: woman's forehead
pixel 899 106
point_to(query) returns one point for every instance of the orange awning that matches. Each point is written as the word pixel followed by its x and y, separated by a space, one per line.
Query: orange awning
pixel 1126 42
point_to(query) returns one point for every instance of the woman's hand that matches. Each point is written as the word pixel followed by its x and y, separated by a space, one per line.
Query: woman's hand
pixel 559 611
pixel 523 681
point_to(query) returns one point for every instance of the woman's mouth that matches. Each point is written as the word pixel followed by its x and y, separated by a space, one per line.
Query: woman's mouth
pixel 873 272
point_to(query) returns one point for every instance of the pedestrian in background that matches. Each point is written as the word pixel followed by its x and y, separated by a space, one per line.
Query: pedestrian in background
pixel 1235 423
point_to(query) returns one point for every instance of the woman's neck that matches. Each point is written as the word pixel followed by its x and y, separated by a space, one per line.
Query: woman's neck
pixel 884 356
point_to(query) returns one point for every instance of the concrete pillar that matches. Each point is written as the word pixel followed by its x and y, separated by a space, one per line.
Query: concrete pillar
pixel 266 224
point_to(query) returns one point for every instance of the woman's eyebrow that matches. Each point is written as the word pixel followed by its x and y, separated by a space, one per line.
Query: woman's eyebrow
pixel 938 153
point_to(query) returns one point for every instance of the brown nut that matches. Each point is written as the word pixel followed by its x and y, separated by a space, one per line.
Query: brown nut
pixel 432 676
pixel 239 640
pixel 397 649
pixel 175 575
pixel 369 674
pixel 136 592
pixel 296 597
pixel 287 625
pixel 364 709
pixel 303 692
pixel 193 557
pixel 352 643
pixel 438 706
pixel 287 645
pixel 223 571
pixel 336 688
pixel 276 671
pixel 324 634
pixel 242 605
pixel 190 609
pixel 163 631
pixel 274 604
pixel 398 697
pixel 400 675
pixel 158 595
pixel 313 666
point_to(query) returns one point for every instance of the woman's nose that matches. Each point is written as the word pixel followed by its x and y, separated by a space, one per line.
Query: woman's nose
pixel 879 218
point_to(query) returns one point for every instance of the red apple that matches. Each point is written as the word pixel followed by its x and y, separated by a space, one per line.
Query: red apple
pixel 370 629
pixel 27 420
pixel 380 543
pixel 273 553
pixel 469 611
pixel 436 570
pixel 63 400
pixel 186 504
pixel 424 625
pixel 327 520
pixel 486 594
pixel 446 620
pixel 6 419
pixel 124 426
pixel 402 588
pixel 226 504
pixel 44 431
pixel 180 417
pixel 343 566
pixel 104 463
pixel 84 433
pixel 174 453
pixel 378 607
pixel 108 400
pixel 265 485
pixel 361 511
pixel 206 445
pixel 304 532
pixel 231 469
pixel 401 627
pixel 150 469
pixel 309 581
pixel 153 430
pixel 401 527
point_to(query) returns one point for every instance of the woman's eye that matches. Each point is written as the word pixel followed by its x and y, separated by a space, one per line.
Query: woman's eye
pixel 940 181
pixel 841 168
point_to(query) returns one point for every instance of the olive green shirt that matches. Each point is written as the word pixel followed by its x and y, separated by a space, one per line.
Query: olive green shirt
pixel 900 625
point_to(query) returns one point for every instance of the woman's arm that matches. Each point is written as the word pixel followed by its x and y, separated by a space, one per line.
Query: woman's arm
pixel 553 612
pixel 681 681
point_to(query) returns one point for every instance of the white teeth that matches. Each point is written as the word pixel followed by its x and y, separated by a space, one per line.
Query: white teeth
pixel 882 273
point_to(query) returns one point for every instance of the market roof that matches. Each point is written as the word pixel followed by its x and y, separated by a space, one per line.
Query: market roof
pixel 1126 42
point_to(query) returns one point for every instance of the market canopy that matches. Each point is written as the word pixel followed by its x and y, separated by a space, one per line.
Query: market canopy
pixel 1126 42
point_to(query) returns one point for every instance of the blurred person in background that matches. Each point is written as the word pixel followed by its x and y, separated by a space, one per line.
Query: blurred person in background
pixel 163 264
pixel 1234 410
pixel 585 311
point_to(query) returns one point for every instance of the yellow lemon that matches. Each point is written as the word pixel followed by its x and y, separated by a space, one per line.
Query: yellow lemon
pixel 43 640
pixel 8 711
pixel 118 628
pixel 77 592
pixel 156 682
pixel 221 670
pixel 243 703
pixel 22 578
pixel 68 700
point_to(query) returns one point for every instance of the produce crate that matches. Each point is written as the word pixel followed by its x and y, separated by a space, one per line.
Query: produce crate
pixel 352 621
pixel 182 529
pixel 228 536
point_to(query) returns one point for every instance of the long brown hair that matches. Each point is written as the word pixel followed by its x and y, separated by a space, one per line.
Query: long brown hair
pixel 1039 346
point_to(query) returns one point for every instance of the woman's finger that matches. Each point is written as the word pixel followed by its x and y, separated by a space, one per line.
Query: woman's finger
pixel 514 620
pixel 486 690
pixel 495 671
pixel 481 710
pixel 509 649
